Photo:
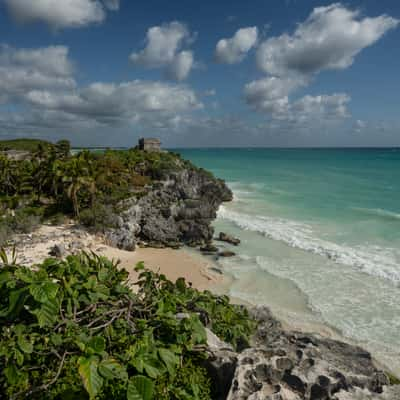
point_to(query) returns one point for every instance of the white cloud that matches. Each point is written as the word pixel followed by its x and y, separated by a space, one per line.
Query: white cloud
pixel 323 106
pixel 329 39
pixel 181 66
pixel 23 70
pixel 52 60
pixel 107 102
pixel 359 125
pixel 163 45
pixel 234 50
pixel 40 86
pixel 69 14
pixel 271 94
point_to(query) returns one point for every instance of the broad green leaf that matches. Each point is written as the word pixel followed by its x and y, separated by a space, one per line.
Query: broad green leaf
pixel 138 363
pixel 19 357
pixel 5 277
pixel 88 370
pixel 103 274
pixel 91 282
pixel 16 302
pixel 153 367
pixel 11 373
pixel 47 313
pixel 42 292
pixel 140 388
pixel 139 266
pixel 25 345
pixel 111 369
pixel 199 335
pixel 181 284
pixel 97 344
pixel 56 339
pixel 169 358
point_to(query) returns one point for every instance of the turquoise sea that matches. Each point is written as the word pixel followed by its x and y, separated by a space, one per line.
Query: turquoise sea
pixel 320 231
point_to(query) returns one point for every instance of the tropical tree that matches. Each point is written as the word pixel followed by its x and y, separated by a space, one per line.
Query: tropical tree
pixel 63 149
pixel 8 183
pixel 76 174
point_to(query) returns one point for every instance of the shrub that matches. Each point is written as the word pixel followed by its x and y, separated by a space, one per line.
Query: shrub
pixel 57 219
pixel 24 221
pixel 74 329
pixel 100 217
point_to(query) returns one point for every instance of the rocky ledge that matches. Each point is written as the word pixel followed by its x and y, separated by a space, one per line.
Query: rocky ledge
pixel 177 210
pixel 290 365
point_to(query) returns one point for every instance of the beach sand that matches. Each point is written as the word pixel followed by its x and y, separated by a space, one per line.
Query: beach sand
pixel 35 247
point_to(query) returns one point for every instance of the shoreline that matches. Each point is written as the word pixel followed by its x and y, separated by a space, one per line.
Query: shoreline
pixel 69 238
pixel 198 269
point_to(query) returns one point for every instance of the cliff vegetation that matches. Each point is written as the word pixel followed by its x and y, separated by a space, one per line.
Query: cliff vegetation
pixel 50 183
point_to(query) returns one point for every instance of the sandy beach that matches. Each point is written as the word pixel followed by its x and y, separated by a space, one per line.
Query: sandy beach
pixel 36 247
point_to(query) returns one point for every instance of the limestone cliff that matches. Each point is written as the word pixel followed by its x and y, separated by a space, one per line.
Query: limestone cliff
pixel 177 209
pixel 287 365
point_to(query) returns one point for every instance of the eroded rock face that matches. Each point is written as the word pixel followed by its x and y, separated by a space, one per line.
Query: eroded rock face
pixel 288 365
pixel 179 209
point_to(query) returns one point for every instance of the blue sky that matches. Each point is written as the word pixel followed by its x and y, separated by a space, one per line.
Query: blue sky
pixel 226 73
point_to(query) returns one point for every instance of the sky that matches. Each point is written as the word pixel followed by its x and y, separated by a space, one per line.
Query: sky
pixel 273 73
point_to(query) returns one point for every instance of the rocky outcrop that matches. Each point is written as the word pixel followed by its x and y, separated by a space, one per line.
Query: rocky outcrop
pixel 289 365
pixel 177 210
pixel 224 237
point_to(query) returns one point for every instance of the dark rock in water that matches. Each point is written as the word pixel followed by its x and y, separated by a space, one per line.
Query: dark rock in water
pixel 216 270
pixel 209 248
pixel 290 365
pixel 58 250
pixel 226 253
pixel 224 237
pixel 177 210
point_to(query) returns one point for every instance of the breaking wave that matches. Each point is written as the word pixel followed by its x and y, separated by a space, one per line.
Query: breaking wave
pixel 371 260
pixel 378 212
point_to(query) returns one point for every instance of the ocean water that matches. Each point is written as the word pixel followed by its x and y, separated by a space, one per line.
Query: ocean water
pixel 320 231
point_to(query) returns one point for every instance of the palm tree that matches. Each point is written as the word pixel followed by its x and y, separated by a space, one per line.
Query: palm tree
pixel 76 174
pixel 7 175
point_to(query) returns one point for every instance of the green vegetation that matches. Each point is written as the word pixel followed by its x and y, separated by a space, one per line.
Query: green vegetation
pixel 87 186
pixel 74 329
pixel 393 380
pixel 30 145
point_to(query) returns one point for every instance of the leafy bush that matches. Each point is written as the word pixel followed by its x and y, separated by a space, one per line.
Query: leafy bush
pixel 74 329
pixel 23 221
pixel 57 219
pixel 99 217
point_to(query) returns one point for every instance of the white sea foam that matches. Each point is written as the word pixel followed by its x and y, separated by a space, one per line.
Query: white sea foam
pixel 359 306
pixel 378 212
pixel 373 261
